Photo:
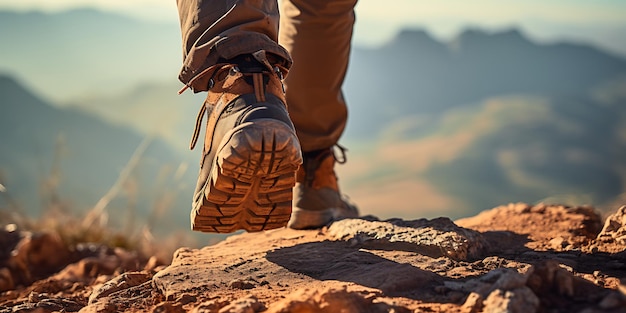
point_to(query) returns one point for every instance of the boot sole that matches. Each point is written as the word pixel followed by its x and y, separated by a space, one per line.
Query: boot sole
pixel 252 180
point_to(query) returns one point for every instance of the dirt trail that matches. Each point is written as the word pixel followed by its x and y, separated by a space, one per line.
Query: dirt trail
pixel 514 258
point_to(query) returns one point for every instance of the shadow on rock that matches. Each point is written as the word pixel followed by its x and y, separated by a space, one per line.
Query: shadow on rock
pixel 336 260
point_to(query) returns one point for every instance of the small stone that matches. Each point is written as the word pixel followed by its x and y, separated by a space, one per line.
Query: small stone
pixel 473 303
pixel 249 304
pixel 37 255
pixel 539 208
pixel 614 226
pixel 211 306
pixel 185 299
pixel 35 297
pixel 241 284
pixel 168 307
pixel 124 281
pixel 333 300
pixel 510 279
pixel 558 243
pixel 30 308
pixel 520 300
pixel 59 305
pixel 521 208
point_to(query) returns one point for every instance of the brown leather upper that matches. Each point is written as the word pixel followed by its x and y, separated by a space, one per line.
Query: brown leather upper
pixel 230 83
pixel 318 172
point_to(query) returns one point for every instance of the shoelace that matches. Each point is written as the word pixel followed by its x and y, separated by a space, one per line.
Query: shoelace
pixel 203 110
pixel 257 82
pixel 343 151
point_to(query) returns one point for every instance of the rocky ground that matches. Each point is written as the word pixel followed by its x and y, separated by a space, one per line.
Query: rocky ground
pixel 514 258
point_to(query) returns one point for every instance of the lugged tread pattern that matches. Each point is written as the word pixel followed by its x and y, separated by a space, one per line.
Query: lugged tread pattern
pixel 251 182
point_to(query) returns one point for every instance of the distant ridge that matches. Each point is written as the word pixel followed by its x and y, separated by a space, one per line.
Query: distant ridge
pixel 81 153
pixel 417 74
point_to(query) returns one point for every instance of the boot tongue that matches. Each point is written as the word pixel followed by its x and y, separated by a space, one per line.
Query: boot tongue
pixel 248 64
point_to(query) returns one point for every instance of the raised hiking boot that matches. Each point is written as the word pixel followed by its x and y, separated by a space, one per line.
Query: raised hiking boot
pixel 251 152
pixel 317 200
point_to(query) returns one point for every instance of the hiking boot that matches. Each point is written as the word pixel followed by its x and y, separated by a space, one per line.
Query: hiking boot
pixel 251 152
pixel 317 200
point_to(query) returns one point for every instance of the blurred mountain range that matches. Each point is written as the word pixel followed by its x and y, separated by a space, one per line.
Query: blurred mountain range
pixel 65 159
pixel 436 128
pixel 79 52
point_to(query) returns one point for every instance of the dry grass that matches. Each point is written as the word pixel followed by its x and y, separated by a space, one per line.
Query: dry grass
pixel 93 225
pixel 73 230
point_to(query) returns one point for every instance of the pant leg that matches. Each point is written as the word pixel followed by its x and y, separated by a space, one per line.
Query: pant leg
pixel 214 29
pixel 317 34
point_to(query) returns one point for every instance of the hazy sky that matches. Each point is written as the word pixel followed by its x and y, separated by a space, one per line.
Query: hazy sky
pixel 600 21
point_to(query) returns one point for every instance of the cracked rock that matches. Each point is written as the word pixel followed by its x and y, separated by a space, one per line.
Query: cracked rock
pixel 437 237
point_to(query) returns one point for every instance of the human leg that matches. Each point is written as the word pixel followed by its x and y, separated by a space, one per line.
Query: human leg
pixel 317 34
pixel 214 30
pixel 251 151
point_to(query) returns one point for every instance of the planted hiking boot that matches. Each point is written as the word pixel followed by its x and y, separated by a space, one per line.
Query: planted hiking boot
pixel 251 152
pixel 317 200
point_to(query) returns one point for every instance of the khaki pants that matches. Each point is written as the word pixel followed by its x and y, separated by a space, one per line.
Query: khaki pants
pixel 315 34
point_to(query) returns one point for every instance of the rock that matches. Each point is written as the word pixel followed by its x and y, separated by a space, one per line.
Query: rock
pixel 261 261
pixel 100 307
pixel 519 300
pixel 124 281
pixel 506 290
pixel 614 229
pixel 37 255
pixel 330 301
pixel 353 266
pixel 88 268
pixel 558 243
pixel 576 225
pixel 509 279
pixel 168 307
pixel 501 278
pixel 45 303
pixel 435 238
pixel 186 299
pixel 473 303
pixel 242 284
pixel 59 305
pixel 248 304
pixel 549 276
pixel 521 208
pixel 211 306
